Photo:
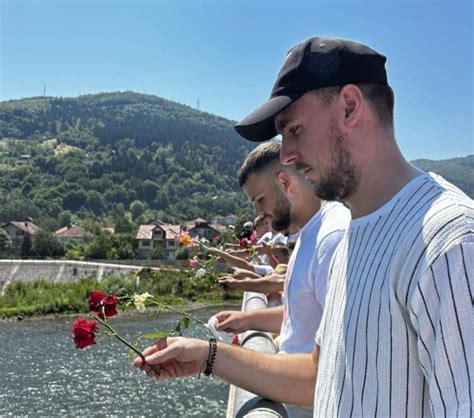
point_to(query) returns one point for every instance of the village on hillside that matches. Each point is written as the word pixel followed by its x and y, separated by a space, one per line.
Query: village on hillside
pixel 153 240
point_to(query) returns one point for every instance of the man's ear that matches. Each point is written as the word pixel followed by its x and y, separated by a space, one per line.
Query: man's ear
pixel 351 102
pixel 284 181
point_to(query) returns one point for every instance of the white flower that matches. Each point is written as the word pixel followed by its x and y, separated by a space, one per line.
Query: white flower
pixel 139 300
pixel 201 272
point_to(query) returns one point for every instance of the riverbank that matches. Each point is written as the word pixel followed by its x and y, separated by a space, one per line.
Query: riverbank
pixel 46 298
pixel 132 313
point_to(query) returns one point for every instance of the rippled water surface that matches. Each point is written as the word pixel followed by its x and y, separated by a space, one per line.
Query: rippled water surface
pixel 43 374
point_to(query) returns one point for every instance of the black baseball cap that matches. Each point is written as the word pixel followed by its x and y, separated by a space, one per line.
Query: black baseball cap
pixel 313 64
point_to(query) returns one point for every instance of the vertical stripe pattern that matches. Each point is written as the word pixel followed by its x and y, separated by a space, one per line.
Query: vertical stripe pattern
pixel 397 334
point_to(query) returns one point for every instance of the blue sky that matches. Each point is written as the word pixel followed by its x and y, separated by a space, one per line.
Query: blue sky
pixel 227 54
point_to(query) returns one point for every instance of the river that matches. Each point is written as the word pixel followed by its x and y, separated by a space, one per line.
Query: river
pixel 43 374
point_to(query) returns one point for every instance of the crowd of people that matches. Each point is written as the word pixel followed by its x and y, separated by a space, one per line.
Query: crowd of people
pixel 366 260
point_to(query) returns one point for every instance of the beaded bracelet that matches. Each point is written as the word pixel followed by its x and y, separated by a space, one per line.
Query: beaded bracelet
pixel 208 365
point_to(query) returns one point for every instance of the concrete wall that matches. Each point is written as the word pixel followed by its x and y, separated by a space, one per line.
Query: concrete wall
pixel 58 270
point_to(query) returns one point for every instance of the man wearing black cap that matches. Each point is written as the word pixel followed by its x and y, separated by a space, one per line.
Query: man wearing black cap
pixel 397 333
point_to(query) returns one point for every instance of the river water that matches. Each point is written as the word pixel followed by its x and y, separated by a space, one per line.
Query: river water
pixel 43 374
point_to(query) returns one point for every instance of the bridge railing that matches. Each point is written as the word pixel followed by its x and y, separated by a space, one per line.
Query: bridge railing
pixel 242 403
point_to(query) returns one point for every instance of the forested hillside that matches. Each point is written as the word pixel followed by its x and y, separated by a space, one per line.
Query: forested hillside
pixel 99 156
pixel 120 157
pixel 459 171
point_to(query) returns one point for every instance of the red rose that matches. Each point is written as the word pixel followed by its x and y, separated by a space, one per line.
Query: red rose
pixel 244 242
pixel 83 332
pixel 95 299
pixel 100 304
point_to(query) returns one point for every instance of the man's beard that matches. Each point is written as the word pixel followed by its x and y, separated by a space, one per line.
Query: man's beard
pixel 281 216
pixel 341 179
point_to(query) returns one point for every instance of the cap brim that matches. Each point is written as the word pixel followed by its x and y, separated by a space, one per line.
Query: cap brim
pixel 259 126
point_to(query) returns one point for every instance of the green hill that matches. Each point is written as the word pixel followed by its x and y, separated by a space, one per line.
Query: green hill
pixel 95 155
pixel 102 157
pixel 459 171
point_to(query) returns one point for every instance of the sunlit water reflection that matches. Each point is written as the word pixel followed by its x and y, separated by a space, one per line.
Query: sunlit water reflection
pixel 43 374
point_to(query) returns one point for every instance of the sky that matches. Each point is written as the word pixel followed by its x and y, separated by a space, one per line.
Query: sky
pixel 226 55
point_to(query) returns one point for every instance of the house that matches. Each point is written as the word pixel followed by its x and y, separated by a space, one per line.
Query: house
pixel 73 233
pixel 203 229
pixel 159 234
pixel 17 230
pixel 224 220
pixel 222 229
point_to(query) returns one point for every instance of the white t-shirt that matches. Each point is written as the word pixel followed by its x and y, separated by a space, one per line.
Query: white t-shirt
pixel 266 237
pixel 397 334
pixel 262 269
pixel 305 283
pixel 306 277
pixel 278 238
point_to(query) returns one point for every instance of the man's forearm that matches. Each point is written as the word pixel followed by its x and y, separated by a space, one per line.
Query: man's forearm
pixel 286 378
pixel 268 319
pixel 237 262
pixel 262 285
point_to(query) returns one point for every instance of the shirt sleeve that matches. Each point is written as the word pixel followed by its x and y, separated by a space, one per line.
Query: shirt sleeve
pixel 262 269
pixel 320 264
pixel 442 314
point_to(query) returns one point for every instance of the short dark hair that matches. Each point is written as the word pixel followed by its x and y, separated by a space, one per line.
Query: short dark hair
pixel 259 159
pixel 380 97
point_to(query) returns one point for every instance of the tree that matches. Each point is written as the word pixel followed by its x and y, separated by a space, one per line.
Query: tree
pixel 137 208
pixel 100 247
pixel 65 218
pixel 45 244
pixel 123 224
pixel 27 246
pixel 5 241
pixel 157 252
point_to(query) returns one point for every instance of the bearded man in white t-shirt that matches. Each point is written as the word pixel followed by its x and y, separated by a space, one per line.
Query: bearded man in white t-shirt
pixel 397 333
pixel 282 195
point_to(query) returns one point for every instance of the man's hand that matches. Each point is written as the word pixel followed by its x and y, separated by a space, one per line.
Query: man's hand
pixel 267 249
pixel 215 251
pixel 234 322
pixel 289 378
pixel 230 284
pixel 240 274
pixel 268 284
pixel 176 356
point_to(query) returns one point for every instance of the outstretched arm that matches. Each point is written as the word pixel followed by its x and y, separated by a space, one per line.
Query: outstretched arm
pixel 236 322
pixel 232 259
pixel 240 274
pixel 268 284
pixel 287 378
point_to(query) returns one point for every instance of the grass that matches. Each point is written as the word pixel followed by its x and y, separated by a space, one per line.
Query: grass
pixel 44 297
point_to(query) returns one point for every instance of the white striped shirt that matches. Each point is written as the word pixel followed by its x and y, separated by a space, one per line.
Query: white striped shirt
pixel 397 333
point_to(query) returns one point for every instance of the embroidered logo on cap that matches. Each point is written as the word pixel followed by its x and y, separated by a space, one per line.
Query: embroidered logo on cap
pixel 323 65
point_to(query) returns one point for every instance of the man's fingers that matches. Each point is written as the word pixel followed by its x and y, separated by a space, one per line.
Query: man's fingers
pixel 161 356
pixel 221 316
pixel 138 362
pixel 158 346
pixel 222 325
